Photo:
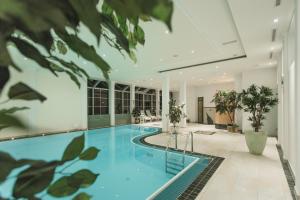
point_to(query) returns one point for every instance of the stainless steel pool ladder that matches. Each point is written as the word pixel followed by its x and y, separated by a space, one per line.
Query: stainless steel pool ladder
pixel 173 166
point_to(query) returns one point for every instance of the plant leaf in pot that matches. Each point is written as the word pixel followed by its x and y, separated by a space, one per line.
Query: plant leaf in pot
pixel 257 101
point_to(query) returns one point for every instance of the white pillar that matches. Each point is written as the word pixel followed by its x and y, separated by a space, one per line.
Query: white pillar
pixel 112 102
pixel 280 103
pixel 165 103
pixel 132 100
pixel 157 102
pixel 286 137
pixel 182 99
pixel 297 95
pixel 238 81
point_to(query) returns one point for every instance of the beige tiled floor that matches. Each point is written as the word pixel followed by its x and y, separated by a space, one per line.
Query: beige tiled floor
pixel 241 176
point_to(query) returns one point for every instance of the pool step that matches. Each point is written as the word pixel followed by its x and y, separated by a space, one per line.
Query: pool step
pixel 174 166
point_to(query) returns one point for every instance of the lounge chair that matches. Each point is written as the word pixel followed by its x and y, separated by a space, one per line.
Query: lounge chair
pixel 153 118
pixel 144 116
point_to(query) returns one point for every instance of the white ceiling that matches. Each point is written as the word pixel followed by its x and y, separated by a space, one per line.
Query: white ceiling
pixel 200 27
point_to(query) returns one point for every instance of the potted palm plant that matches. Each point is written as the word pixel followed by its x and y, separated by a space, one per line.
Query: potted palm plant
pixel 257 101
pixel 227 103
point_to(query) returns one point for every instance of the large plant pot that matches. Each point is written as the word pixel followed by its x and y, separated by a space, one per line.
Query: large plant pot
pixel 256 141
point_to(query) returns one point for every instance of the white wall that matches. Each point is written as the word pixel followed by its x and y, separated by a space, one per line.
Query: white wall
pixel 65 107
pixel 266 77
pixel 207 91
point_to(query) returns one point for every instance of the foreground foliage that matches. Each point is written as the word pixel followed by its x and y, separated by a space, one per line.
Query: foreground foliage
pixel 44 31
pixel 38 175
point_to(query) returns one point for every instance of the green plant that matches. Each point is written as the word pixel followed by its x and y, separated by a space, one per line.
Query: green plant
pixel 227 103
pixel 135 113
pixel 38 28
pixel 44 31
pixel 175 112
pixel 258 101
pixel 38 175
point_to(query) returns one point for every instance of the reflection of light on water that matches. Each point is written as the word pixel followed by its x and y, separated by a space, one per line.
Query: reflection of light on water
pixel 102 187
pixel 117 195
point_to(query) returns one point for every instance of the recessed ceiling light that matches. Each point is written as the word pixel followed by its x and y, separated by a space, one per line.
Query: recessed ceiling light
pixel 192 51
pixel 25 58
pixel 104 55
pixel 275 20
pixel 167 32
pixel 272 48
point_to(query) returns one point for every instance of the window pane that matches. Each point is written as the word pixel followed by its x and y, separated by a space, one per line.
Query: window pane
pixel 90 102
pixel 90 111
pixel 96 101
pixel 90 92
pixel 104 110
pixel 96 92
pixel 96 110
pixel 104 94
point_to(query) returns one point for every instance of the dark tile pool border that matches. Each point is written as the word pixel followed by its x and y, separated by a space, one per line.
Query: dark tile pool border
pixel 202 178
pixel 288 172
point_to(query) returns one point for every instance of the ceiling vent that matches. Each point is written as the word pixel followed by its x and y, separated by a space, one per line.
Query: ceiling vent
pixel 229 42
pixel 277 2
pixel 274 31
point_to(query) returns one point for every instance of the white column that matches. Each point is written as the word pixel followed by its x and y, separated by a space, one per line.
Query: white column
pixel 182 99
pixel 165 103
pixel 297 96
pixel 285 141
pixel 132 100
pixel 280 103
pixel 157 102
pixel 238 81
pixel 112 102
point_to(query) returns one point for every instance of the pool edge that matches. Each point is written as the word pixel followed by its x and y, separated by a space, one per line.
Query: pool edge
pixel 194 189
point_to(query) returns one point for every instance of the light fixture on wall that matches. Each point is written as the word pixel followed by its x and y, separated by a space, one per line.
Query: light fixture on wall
pixel 276 20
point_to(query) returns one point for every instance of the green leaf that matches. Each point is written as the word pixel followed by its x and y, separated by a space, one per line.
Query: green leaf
pixel 139 34
pixel 89 15
pixel 158 9
pixel 7 164
pixel 13 110
pixel 34 179
pixel 82 196
pixel 89 154
pixel 7 120
pixel 86 51
pixel 62 188
pixel 4 76
pixel 24 92
pixel 31 52
pixel 68 185
pixel 84 178
pixel 120 37
pixel 61 47
pixel 74 149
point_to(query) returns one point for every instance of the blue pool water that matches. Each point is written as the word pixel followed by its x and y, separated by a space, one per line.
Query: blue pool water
pixel 128 171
